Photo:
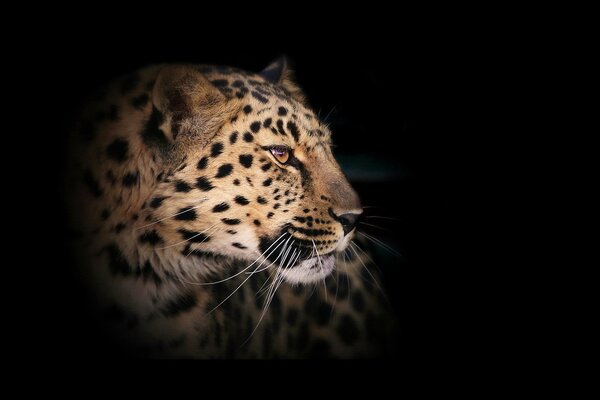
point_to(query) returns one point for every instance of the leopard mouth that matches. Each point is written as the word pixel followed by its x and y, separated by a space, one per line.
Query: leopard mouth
pixel 310 269
pixel 297 259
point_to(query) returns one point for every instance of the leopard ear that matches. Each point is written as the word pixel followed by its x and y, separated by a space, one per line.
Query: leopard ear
pixel 189 103
pixel 279 73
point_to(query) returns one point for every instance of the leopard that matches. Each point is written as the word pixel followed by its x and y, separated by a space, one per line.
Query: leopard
pixel 211 220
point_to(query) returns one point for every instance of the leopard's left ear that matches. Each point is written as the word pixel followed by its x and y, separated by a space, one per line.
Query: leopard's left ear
pixel 279 73
pixel 191 105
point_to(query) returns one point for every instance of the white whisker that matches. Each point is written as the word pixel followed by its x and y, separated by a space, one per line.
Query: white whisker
pixel 364 266
pixel 380 243
pixel 243 270
pixel 171 216
pixel 232 293
pixel 187 240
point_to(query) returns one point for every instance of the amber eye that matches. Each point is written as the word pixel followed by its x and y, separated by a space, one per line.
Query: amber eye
pixel 281 153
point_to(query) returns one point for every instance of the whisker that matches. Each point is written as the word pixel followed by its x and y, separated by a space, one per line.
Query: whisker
pixel 365 267
pixel 282 250
pixel 382 244
pixel 263 290
pixel 187 240
pixel 381 217
pixel 378 227
pixel 277 281
pixel 171 216
pixel 202 241
pixel 243 270
pixel 320 266
pixel 267 257
pixel 232 293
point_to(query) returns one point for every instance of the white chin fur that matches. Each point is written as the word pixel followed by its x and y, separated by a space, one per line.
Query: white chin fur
pixel 310 270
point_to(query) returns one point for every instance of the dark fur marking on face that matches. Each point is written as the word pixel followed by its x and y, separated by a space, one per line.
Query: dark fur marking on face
pixel 193 237
pixel 186 214
pixel 310 232
pixel 181 186
pixel 150 237
pixel 236 182
pixel 180 304
pixel 255 126
pixel 241 200
pixel 118 150
pixel 266 167
pixel 204 184
pixel 233 137
pixel 231 231
pixel 202 163
pixel 259 97
pixel 220 207
pixel 242 92
pixel 270 214
pixel 261 200
pixel 280 127
pixel 247 109
pixel 231 221
pixel 239 245
pixel 216 149
pixel 246 160
pixel 282 111
pixel 220 83
pixel 267 182
pixel 293 130
pixel 248 137
pixel 91 183
pixel 267 122
pixel 256 222
pixel 224 170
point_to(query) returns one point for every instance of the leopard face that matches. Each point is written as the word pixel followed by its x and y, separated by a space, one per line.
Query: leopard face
pixel 252 174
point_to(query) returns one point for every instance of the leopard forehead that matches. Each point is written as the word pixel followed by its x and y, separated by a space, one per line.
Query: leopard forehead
pixel 269 107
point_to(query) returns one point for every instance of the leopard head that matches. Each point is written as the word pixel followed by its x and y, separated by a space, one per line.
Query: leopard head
pixel 251 173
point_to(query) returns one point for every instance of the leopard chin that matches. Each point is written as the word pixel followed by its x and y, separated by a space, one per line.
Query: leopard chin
pixel 310 270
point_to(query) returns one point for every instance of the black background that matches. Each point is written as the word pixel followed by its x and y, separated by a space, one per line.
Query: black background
pixel 404 93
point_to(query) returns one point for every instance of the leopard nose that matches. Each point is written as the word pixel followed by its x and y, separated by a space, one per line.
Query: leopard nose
pixel 348 220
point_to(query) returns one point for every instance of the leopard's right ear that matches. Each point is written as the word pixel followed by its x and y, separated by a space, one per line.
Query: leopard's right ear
pixel 189 104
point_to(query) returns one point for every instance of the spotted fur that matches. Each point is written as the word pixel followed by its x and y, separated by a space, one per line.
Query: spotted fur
pixel 173 187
